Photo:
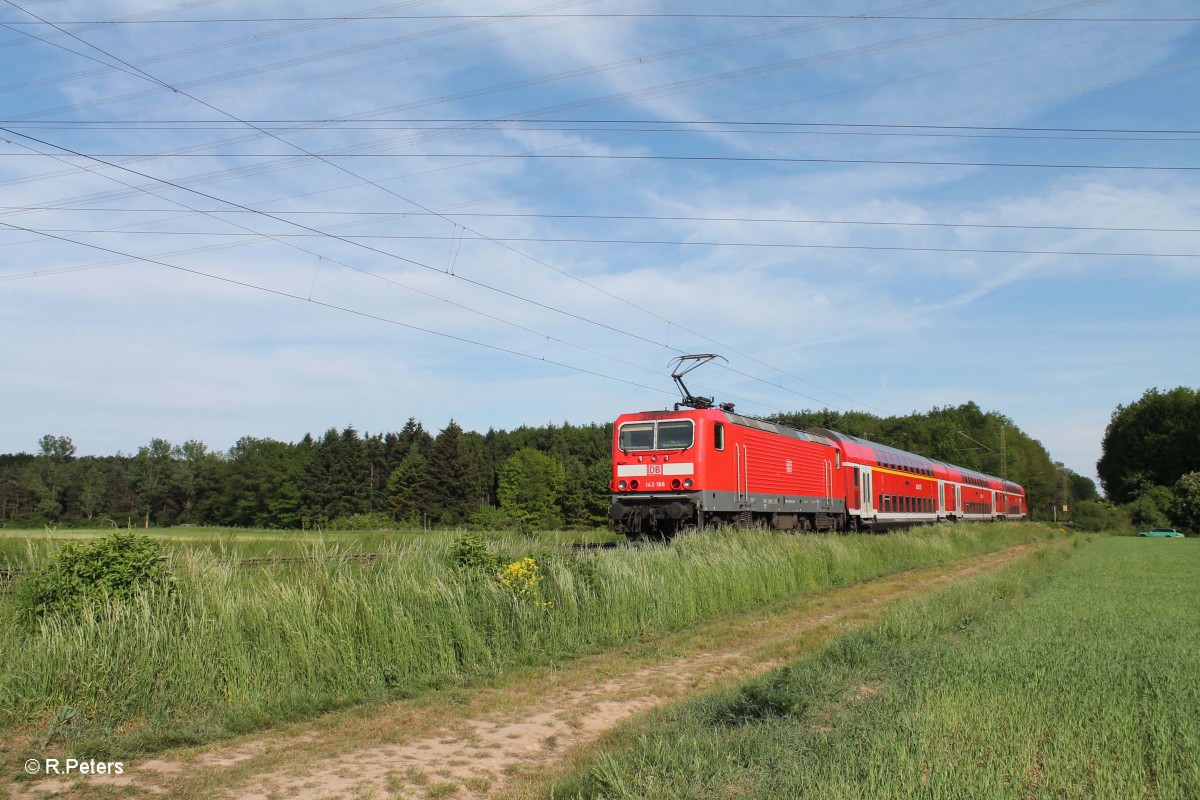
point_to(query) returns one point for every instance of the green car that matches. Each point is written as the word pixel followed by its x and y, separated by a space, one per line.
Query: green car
pixel 1170 533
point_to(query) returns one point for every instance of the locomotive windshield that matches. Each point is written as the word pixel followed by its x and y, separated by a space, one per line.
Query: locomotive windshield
pixel 637 436
pixel 674 434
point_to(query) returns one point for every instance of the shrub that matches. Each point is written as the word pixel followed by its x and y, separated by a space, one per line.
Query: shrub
pixel 1099 515
pixel 1150 510
pixel 115 568
pixel 470 555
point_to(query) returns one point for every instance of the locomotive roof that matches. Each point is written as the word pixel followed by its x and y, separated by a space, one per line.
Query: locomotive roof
pixel 782 430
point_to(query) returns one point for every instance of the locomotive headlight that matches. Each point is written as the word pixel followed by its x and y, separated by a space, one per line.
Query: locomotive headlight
pixel 633 484
pixel 675 483
pixel 687 483
pixel 621 485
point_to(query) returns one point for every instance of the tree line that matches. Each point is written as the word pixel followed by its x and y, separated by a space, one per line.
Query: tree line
pixel 548 477
pixel 551 476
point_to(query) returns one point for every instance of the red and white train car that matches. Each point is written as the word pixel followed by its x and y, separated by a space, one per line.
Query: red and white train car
pixel 698 467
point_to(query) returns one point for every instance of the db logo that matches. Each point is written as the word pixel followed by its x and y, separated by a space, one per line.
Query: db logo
pixel 655 469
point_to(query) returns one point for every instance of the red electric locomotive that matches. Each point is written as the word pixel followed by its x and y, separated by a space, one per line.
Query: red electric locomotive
pixel 709 466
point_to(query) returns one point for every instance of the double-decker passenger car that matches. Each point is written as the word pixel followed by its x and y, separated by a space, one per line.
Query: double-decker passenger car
pixel 710 466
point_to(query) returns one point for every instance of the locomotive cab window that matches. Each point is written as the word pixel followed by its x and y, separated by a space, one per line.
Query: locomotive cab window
pixel 637 436
pixel 674 434
pixel 718 436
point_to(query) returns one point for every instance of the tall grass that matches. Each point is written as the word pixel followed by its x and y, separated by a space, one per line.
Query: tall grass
pixel 233 648
pixel 22 548
pixel 1047 681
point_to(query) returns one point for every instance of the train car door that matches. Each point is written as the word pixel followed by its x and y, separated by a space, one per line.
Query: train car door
pixel 862 491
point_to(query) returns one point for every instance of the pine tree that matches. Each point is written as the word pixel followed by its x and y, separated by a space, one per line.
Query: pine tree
pixel 455 476
pixel 408 489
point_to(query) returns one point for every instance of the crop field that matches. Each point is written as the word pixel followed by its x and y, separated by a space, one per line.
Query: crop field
pixel 231 649
pixel 1073 675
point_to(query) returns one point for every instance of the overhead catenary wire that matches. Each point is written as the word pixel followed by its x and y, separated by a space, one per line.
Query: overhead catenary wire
pixel 414 36
pixel 336 307
pixel 501 244
pixel 653 125
pixel 456 242
pixel 369 273
pixel 276 237
pixel 634 217
pixel 365 17
pixel 642 94
pixel 328 157
pixel 258 169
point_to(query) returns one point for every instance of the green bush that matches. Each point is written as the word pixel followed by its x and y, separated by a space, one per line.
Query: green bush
pixel 470 555
pixel 1150 510
pixel 113 569
pixel 1100 515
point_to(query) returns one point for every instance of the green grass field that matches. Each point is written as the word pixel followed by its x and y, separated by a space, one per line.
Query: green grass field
pixel 1058 678
pixel 236 649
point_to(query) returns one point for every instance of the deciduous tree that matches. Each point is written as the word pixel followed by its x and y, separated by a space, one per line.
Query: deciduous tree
pixel 531 484
pixel 1151 442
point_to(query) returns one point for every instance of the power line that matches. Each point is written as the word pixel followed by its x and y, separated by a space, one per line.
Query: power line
pixel 419 264
pixel 756 71
pixel 668 242
pixel 423 208
pixel 688 15
pixel 151 126
pixel 542 112
pixel 505 121
pixel 325 157
pixel 480 284
pixel 326 234
pixel 335 307
pixel 640 217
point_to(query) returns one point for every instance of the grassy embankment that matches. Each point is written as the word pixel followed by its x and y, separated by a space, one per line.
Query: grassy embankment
pixel 1046 680
pixel 235 649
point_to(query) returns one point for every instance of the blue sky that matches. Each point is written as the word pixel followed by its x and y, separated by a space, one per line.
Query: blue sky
pixel 703 183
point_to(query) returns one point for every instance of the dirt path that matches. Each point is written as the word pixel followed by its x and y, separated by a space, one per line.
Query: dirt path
pixel 503 740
